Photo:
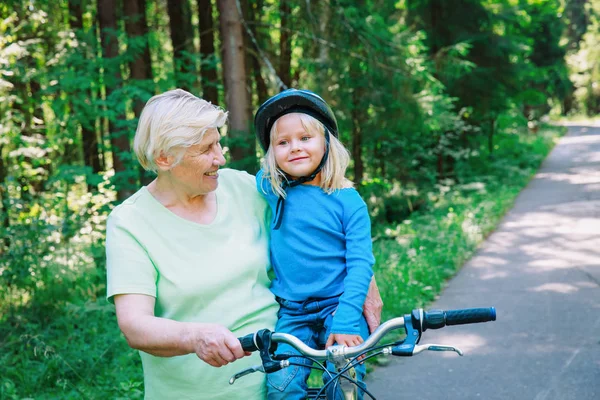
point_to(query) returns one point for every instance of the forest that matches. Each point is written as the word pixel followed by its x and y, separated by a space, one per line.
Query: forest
pixel 445 105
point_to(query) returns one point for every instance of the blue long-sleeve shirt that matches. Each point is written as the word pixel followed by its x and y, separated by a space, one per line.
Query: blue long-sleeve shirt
pixel 322 249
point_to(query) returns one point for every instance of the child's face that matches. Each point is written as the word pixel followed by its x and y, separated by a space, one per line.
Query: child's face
pixel 297 152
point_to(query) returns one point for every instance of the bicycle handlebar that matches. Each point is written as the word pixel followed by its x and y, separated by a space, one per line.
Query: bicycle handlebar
pixel 419 319
pixel 414 325
pixel 435 319
pixel 248 343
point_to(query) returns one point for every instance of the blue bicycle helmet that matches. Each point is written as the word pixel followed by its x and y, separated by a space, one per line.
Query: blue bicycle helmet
pixel 289 101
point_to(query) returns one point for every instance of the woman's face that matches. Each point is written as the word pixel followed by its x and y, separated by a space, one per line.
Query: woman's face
pixel 197 173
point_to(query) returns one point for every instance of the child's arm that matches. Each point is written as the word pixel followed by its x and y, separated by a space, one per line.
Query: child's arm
pixel 371 311
pixel 359 262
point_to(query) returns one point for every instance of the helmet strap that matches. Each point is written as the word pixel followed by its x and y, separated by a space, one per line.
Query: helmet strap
pixel 290 183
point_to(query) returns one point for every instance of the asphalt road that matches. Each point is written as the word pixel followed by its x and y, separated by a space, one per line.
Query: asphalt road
pixel 541 270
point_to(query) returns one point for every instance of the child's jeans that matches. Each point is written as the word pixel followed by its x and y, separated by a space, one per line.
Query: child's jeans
pixel 310 321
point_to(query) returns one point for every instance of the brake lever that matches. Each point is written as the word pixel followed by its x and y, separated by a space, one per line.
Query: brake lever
pixel 259 368
pixel 247 371
pixel 436 347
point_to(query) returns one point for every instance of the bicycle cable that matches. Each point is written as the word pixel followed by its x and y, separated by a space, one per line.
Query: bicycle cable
pixel 349 365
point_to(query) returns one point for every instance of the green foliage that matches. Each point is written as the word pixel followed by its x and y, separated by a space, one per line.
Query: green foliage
pixel 416 86
pixel 583 64
pixel 77 353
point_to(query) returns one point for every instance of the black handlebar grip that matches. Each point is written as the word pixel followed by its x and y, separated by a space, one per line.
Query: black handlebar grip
pixel 248 342
pixel 434 319
pixel 470 316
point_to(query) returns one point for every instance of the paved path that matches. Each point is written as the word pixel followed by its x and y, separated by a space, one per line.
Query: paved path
pixel 541 270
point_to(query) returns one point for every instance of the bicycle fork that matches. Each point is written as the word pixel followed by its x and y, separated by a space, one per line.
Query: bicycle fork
pixel 348 388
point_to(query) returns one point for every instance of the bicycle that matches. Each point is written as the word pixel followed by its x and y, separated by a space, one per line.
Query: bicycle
pixel 345 358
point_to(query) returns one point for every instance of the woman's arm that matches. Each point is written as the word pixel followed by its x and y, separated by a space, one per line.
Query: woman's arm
pixel 162 337
pixel 373 306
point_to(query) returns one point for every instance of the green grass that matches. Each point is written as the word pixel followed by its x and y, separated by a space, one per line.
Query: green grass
pixel 73 353
pixel 64 341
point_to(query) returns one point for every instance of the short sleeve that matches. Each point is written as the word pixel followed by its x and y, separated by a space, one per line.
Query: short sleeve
pixel 129 268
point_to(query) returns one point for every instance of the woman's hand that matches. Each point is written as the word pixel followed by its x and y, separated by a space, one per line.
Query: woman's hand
pixel 163 337
pixel 216 345
pixel 372 307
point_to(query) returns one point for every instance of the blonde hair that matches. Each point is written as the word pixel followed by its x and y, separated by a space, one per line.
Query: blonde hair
pixel 333 172
pixel 172 122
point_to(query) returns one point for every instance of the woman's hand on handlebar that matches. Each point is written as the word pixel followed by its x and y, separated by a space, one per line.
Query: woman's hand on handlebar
pixel 216 345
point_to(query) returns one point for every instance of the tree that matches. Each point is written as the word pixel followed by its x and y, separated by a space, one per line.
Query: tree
pixel 119 139
pixel 578 21
pixel 140 64
pixel 241 143
pixel 208 66
pixel 82 103
pixel 182 37
pixel 285 44
pixel 257 42
pixel 491 80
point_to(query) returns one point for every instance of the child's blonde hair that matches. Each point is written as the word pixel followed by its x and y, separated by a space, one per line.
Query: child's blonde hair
pixel 333 172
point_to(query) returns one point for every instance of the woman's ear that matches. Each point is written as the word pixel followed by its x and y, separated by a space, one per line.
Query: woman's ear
pixel 164 162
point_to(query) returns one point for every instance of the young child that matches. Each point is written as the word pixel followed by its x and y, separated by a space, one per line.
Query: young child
pixel 320 237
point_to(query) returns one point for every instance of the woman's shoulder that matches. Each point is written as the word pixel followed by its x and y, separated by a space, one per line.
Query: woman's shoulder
pixel 233 179
pixel 236 175
pixel 239 184
pixel 131 205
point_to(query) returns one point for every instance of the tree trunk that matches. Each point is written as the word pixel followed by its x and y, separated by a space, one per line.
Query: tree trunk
pixel 285 44
pixel 246 6
pixel 38 129
pixel 357 139
pixel 208 67
pixel 440 164
pixel 4 204
pixel 324 20
pixel 261 85
pixel 26 111
pixel 182 38
pixel 243 149
pixel 120 144
pixel 491 136
pixel 89 136
pixel 140 66
pixel 32 125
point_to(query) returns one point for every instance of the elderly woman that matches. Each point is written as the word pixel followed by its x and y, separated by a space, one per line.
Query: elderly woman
pixel 187 257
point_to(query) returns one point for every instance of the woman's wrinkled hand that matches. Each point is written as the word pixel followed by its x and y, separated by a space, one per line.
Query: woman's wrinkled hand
pixel 216 345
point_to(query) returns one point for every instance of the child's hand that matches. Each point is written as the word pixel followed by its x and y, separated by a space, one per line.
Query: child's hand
pixel 344 340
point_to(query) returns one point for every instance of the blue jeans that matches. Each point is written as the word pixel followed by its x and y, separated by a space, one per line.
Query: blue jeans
pixel 310 321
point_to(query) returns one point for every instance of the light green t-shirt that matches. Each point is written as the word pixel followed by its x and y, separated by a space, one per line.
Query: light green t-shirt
pixel 215 273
